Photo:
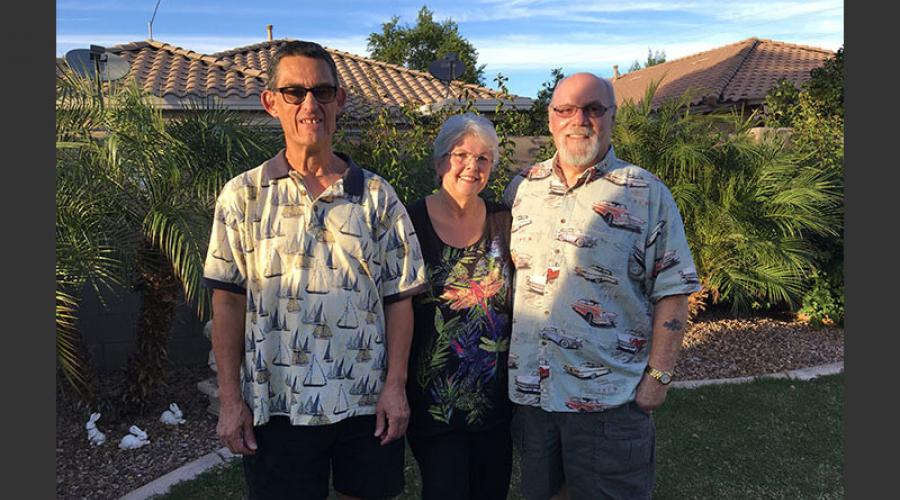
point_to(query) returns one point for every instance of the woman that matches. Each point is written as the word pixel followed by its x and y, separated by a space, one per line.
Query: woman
pixel 459 425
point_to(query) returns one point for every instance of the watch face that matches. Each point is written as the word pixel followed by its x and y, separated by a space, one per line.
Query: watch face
pixel 665 378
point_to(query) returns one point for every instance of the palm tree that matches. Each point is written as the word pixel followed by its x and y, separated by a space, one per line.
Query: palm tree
pixel 155 183
pixel 90 231
pixel 750 208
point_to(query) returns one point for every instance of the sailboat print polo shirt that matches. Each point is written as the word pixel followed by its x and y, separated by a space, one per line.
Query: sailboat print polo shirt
pixel 591 260
pixel 317 274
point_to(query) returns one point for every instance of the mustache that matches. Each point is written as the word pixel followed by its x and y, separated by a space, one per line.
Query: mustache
pixel 580 130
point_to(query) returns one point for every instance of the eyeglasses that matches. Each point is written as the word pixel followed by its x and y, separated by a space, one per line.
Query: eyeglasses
pixel 296 95
pixel 594 110
pixel 464 158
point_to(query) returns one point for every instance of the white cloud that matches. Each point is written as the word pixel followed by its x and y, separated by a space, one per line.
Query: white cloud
pixel 674 17
pixel 499 54
pixel 775 11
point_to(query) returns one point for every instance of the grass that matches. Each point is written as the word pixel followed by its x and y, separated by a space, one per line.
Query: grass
pixel 765 439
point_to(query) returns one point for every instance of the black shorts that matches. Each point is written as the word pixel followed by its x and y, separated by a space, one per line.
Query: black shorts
pixel 600 455
pixel 294 461
pixel 461 465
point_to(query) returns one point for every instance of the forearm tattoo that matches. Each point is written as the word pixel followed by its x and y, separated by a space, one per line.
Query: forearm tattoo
pixel 674 325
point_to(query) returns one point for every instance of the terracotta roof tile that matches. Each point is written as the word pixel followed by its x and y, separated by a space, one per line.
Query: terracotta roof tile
pixel 376 81
pixel 164 70
pixel 739 72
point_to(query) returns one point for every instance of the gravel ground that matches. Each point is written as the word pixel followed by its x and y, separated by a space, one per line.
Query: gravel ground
pixel 105 471
pixel 726 348
pixel 713 348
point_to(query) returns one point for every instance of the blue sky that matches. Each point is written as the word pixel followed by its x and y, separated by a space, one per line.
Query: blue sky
pixel 522 39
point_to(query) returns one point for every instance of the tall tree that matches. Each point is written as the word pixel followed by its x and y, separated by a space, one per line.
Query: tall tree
pixel 653 58
pixel 416 46
pixel 538 112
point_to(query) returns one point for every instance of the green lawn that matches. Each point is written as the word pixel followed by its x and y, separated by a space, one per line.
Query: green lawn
pixel 765 439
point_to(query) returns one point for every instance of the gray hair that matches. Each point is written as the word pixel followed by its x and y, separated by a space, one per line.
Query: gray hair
pixel 300 48
pixel 457 127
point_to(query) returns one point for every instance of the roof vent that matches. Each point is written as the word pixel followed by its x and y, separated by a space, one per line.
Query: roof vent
pixel 269 31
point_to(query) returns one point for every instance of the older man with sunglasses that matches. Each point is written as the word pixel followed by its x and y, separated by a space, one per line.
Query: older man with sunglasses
pixel 313 262
pixel 603 274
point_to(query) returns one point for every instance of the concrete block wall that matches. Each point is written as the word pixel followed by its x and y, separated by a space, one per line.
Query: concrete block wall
pixel 110 335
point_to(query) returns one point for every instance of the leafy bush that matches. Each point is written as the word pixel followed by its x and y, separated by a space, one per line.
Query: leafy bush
pixel 749 208
pixel 823 304
pixel 816 114
pixel 781 102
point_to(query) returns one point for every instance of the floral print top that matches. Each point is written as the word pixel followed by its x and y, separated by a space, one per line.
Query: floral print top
pixel 457 375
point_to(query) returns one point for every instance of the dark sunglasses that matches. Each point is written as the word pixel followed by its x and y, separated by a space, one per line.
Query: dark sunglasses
pixel 594 110
pixel 296 95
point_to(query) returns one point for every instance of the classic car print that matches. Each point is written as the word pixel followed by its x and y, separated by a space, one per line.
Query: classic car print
pixel 536 283
pixel 667 260
pixel 537 172
pixel 617 215
pixel 689 275
pixel 520 260
pixel 579 403
pixel 529 384
pixel 636 262
pixel 575 237
pixel 564 340
pixel 552 273
pixel 657 229
pixel 593 313
pixel 556 187
pixel 630 343
pixel 597 274
pixel 519 222
pixel 586 370
pixel 624 178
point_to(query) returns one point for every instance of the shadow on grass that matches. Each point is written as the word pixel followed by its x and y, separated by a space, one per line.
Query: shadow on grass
pixel 765 439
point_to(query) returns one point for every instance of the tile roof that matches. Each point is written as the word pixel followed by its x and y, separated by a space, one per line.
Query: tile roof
pixel 162 69
pixel 376 80
pixel 739 72
pixel 165 70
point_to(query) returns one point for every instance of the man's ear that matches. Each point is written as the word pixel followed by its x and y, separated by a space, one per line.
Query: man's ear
pixel 267 99
pixel 341 99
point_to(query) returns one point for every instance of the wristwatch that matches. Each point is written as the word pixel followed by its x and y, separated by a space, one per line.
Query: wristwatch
pixel 663 377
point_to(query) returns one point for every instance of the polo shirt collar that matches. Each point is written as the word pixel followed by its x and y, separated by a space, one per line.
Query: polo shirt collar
pixel 278 167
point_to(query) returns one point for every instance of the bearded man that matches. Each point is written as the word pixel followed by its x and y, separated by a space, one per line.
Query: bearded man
pixel 603 275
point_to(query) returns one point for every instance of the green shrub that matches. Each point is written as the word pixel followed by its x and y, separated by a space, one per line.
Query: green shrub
pixel 781 103
pixel 750 208
pixel 823 305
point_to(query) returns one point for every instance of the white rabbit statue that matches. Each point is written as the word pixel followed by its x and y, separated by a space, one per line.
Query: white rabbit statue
pixel 136 439
pixel 172 416
pixel 94 435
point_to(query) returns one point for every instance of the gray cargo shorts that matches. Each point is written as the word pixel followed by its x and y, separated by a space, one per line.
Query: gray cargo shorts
pixel 599 455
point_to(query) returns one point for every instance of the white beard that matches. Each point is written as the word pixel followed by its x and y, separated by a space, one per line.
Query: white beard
pixel 583 159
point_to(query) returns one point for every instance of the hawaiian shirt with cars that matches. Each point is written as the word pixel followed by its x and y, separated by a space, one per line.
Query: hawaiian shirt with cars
pixel 591 260
pixel 316 274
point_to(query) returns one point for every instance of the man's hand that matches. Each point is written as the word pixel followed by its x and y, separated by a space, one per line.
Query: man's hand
pixel 235 428
pixel 391 413
pixel 650 394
